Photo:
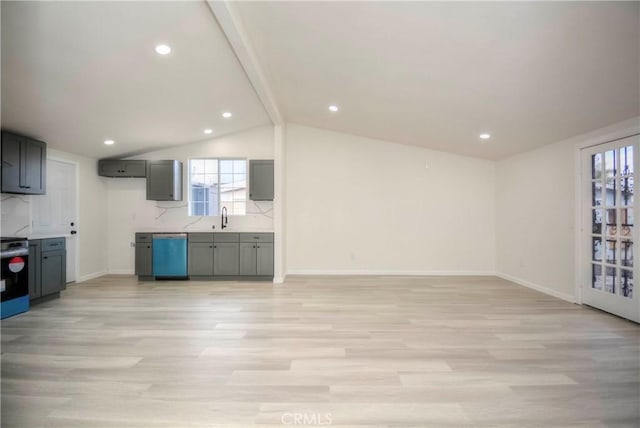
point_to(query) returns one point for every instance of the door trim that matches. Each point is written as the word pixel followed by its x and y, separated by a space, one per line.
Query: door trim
pixel 76 209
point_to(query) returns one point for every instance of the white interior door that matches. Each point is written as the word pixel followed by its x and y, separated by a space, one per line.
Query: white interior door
pixel 609 232
pixel 56 212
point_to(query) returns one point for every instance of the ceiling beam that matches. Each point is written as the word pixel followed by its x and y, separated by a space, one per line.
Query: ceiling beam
pixel 233 29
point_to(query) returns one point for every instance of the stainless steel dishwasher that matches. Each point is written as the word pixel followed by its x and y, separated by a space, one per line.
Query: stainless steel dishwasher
pixel 170 255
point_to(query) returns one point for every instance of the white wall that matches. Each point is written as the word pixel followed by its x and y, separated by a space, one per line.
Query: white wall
pixel 130 212
pixel 92 207
pixel 357 205
pixel 536 212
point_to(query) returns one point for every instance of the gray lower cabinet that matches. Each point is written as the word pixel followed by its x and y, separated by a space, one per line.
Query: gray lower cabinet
pixel 47 267
pixel 256 254
pixel 211 255
pixel 35 272
pixel 144 254
pixel 53 268
pixel 226 258
pixel 200 256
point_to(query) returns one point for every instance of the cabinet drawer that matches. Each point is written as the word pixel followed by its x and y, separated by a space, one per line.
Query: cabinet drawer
pixel 226 237
pixel 200 237
pixel 143 237
pixel 50 244
pixel 256 237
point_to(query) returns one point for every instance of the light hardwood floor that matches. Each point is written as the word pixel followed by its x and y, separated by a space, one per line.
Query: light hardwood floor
pixel 356 351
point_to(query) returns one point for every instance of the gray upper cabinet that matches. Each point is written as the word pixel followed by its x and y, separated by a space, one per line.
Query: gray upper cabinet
pixel 261 180
pixel 122 168
pixel 164 180
pixel 24 163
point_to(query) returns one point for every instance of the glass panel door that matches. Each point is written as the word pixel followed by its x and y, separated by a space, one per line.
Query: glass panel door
pixel 608 227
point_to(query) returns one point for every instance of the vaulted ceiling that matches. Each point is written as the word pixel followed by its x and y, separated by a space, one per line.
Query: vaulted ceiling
pixel 431 74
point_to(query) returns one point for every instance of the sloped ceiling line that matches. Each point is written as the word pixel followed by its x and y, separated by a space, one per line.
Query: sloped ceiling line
pixel 233 29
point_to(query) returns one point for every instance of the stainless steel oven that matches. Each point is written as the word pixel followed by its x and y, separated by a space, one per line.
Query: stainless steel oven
pixel 14 277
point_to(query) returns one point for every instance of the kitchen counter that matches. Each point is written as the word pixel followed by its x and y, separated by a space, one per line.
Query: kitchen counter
pixel 46 235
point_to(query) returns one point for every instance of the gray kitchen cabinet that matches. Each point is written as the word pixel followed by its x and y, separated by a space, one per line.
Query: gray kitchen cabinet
pixel 53 269
pixel 24 163
pixel 47 267
pixel 248 259
pixel 164 180
pixel 226 254
pixel 200 254
pixel 122 168
pixel 35 275
pixel 144 255
pixel 256 254
pixel 261 180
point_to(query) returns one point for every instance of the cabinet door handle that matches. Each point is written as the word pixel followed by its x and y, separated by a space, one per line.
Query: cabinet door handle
pixel 253 246
pixel 210 246
pixel 45 257
pixel 258 246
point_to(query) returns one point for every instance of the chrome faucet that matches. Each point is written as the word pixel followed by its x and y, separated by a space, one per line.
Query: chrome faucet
pixel 225 218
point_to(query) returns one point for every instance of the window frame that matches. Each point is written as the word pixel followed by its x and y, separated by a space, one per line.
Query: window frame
pixel 218 186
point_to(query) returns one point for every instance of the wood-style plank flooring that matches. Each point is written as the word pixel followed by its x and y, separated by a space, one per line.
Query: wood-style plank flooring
pixel 317 351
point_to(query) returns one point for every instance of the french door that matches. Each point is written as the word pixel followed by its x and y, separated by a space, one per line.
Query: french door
pixel 609 232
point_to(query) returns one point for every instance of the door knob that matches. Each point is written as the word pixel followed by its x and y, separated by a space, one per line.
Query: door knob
pixel 73 232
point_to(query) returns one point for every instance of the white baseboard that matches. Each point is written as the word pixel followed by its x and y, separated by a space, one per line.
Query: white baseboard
pixel 121 272
pixel 541 288
pixel 84 278
pixel 365 272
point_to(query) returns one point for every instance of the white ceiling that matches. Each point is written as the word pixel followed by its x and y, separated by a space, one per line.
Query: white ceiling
pixel 437 74
pixel 77 73
pixel 432 74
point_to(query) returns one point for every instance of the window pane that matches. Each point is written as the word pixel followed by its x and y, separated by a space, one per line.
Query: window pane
pixel 626 160
pixel 611 251
pixel 197 180
pixel 612 227
pixel 211 166
pixel 596 165
pixel 196 166
pixel 596 193
pixel 626 283
pixel 626 222
pixel 610 163
pixel 610 192
pixel 226 166
pixel 596 221
pixel 240 166
pixel 626 190
pixel 596 249
pixel 226 179
pixel 626 253
pixel 596 276
pixel 610 280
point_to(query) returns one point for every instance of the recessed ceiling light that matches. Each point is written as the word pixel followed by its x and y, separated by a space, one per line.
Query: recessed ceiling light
pixel 485 136
pixel 226 115
pixel 333 108
pixel 109 142
pixel 208 131
pixel 163 49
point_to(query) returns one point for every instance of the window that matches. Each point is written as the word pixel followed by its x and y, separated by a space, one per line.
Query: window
pixel 217 183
